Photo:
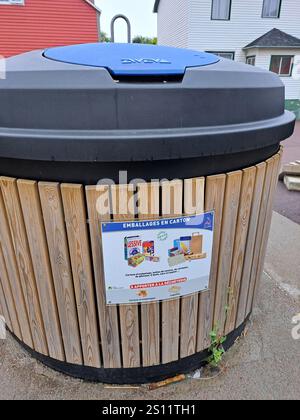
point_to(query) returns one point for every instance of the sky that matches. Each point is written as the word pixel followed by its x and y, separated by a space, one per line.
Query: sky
pixel 139 12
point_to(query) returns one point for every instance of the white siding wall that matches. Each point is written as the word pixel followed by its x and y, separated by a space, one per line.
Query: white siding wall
pixel 187 23
pixel 172 23
pixel 263 59
pixel 245 25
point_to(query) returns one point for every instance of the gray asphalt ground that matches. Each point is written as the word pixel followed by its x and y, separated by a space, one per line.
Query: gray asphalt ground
pixel 287 202
pixel 262 365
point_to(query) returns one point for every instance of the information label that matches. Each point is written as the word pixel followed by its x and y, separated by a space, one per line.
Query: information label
pixel 152 260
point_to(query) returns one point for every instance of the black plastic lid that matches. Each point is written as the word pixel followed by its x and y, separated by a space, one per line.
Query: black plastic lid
pixel 93 111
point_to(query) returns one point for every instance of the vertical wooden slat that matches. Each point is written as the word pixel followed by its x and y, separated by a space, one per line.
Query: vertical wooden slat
pixel 123 209
pixel 1 300
pixel 257 197
pixel 204 324
pixel 108 315
pixel 7 303
pixel 129 319
pixel 148 208
pixel 4 310
pixel 267 226
pixel 230 212
pixel 171 206
pixel 76 220
pixel 188 327
pixel 34 225
pixel 259 232
pixel 20 263
pixel 3 306
pixel 193 204
pixel 61 269
pixel 246 198
pixel 12 285
pixel 214 198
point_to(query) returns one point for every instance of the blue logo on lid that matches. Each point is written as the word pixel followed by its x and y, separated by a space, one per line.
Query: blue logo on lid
pixel 145 61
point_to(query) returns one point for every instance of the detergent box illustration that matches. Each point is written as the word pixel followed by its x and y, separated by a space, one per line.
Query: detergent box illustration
pixel 148 248
pixel 132 246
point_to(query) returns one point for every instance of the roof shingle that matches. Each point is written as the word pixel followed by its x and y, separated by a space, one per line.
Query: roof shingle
pixel 275 38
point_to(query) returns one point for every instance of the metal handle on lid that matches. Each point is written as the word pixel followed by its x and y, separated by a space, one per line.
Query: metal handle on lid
pixel 112 27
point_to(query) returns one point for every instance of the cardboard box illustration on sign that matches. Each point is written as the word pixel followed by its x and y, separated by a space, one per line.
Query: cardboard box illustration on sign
pixel 187 248
pixel 196 243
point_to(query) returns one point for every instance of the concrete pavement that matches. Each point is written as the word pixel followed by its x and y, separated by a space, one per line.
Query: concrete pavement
pixel 263 365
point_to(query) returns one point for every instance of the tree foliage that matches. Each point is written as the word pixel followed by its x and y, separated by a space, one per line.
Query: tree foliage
pixel 104 37
pixel 139 39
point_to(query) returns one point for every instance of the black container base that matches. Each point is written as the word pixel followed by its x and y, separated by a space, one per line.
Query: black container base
pixel 136 376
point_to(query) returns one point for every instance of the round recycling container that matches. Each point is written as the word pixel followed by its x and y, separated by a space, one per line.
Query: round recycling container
pixel 117 281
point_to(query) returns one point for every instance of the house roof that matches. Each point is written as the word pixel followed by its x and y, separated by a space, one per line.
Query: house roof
pixel 156 4
pixel 92 4
pixel 275 39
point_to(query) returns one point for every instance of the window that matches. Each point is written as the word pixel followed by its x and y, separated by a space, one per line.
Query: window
pixel 221 9
pixel 223 54
pixel 271 9
pixel 12 2
pixel 282 64
pixel 251 60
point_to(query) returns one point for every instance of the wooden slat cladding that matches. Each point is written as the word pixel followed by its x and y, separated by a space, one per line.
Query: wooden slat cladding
pixel 214 198
pixel 61 269
pixel 148 208
pixel 229 222
pixel 4 309
pixel 172 203
pixel 251 240
pixel 22 258
pixel 34 225
pixel 246 199
pixel 52 288
pixel 259 231
pixel 194 190
pixel 8 307
pixel 124 209
pixel 76 221
pixel 13 291
pixel 264 242
pixel 98 203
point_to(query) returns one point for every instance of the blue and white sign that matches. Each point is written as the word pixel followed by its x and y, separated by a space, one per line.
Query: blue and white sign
pixel 152 260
